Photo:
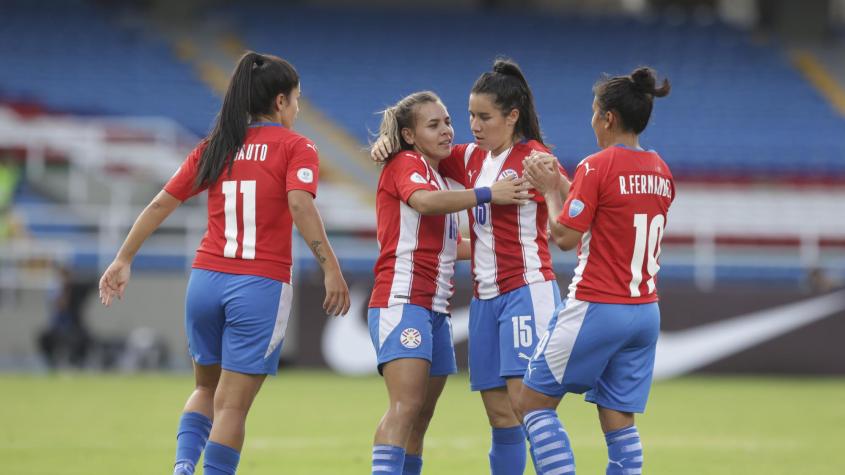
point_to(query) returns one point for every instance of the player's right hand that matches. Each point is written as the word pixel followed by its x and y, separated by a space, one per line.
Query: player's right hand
pixel 337 294
pixel 511 191
pixel 380 151
pixel 113 282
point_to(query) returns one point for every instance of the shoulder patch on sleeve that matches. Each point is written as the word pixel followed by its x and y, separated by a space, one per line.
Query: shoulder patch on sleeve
pixel 417 178
pixel 305 175
pixel 575 208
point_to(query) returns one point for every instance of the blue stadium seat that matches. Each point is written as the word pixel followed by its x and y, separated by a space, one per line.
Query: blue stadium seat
pixel 738 109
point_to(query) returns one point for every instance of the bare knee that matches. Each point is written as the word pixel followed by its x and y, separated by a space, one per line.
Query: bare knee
pixel 423 420
pixel 408 409
pixel 501 415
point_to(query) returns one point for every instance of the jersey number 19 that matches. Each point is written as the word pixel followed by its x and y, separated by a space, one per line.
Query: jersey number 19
pixel 647 235
pixel 230 207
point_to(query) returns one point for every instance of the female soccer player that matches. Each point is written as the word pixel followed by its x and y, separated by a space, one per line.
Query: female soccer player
pixel 419 241
pixel 602 339
pixel 515 288
pixel 260 176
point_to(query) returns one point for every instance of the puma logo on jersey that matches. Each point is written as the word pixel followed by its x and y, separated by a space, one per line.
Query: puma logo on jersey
pixel 471 173
pixel 311 146
pixel 587 168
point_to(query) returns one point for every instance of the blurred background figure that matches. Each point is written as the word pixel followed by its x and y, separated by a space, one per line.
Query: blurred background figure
pixel 66 341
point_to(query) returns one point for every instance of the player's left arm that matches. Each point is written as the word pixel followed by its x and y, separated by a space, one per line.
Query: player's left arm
pixel 543 171
pixel 565 237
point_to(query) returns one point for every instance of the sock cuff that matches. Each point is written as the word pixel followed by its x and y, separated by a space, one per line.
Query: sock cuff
pixel 196 419
pixel 621 434
pixel 413 463
pixel 388 448
pixel 532 417
pixel 508 435
pixel 222 453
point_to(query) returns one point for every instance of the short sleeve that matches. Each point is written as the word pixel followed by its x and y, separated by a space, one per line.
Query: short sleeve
pixel 181 184
pixel 303 167
pixel 410 173
pixel 580 206
pixel 454 166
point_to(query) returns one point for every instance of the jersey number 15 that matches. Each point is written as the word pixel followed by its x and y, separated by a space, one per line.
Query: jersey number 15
pixel 230 208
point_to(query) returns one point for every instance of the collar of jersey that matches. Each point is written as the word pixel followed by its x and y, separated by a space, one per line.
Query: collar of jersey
pixel 265 124
pixel 634 149
pixel 504 154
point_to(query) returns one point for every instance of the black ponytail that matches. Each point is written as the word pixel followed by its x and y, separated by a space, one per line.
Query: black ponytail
pixel 631 96
pixel 255 83
pixel 510 90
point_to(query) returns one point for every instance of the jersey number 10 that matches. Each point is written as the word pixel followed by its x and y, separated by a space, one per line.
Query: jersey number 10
pixel 646 235
pixel 230 207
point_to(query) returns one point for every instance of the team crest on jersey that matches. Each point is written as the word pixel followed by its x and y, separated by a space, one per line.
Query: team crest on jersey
pixel 410 338
pixel 508 173
pixel 305 175
pixel 417 178
pixel 575 208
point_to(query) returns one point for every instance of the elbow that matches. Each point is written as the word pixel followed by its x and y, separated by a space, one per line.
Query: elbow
pixel 566 245
pixel 566 241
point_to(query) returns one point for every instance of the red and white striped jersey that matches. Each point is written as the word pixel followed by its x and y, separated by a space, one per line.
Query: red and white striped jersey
pixel 619 200
pixel 510 246
pixel 416 253
pixel 249 224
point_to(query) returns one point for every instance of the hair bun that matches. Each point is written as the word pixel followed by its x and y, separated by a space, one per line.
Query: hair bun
pixel 507 67
pixel 644 80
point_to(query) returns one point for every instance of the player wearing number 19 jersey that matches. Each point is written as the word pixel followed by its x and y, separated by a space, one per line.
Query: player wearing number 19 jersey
pixel 602 338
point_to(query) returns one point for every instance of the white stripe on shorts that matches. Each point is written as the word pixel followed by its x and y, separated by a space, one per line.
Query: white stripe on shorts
pixel 559 348
pixel 282 315
pixel 388 319
pixel 543 301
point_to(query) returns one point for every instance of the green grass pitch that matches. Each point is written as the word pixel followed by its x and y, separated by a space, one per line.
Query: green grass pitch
pixel 319 423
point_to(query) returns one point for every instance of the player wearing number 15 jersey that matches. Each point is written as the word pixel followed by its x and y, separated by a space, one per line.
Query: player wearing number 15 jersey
pixel 261 177
pixel 602 339
pixel 418 245
pixel 515 287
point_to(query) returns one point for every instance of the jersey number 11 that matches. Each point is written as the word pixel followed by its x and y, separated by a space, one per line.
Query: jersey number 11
pixel 230 208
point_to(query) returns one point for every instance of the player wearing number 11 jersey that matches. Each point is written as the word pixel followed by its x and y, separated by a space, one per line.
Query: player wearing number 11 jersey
pixel 602 339
pixel 261 177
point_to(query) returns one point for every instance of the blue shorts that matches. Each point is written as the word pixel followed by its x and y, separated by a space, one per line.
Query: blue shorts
pixel 411 331
pixel 504 330
pixel 237 321
pixel 604 349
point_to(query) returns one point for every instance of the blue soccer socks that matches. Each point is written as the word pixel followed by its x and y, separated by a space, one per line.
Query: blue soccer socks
pixel 549 443
pixel 507 454
pixel 413 465
pixel 624 452
pixel 388 460
pixel 220 459
pixel 190 440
